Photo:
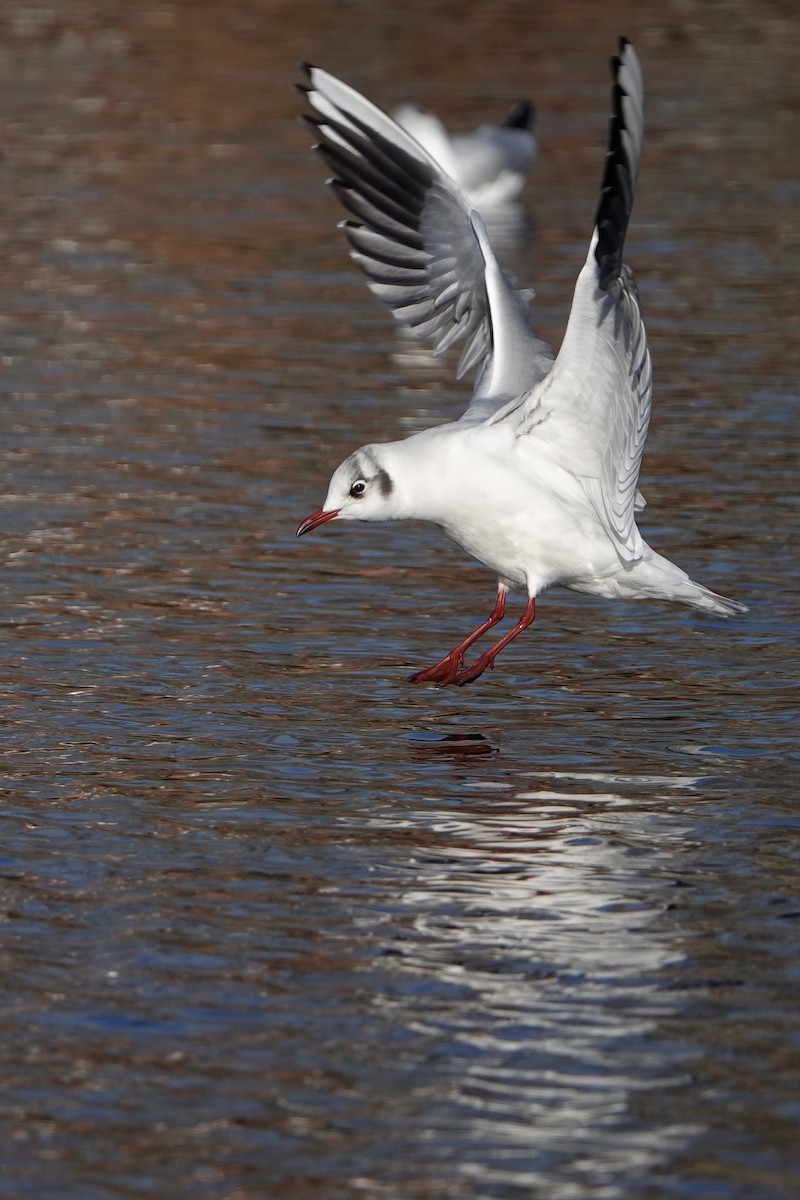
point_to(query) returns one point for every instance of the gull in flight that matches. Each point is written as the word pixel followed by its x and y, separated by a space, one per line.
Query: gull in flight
pixel 490 164
pixel 538 478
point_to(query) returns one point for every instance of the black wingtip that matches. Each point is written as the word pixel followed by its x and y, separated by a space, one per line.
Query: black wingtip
pixel 617 187
pixel 521 116
pixel 615 61
pixel 305 85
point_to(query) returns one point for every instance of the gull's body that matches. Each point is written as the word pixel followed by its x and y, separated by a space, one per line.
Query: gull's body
pixel 523 515
pixel 490 164
pixel 538 479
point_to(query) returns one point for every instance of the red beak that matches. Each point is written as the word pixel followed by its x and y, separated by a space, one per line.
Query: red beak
pixel 316 519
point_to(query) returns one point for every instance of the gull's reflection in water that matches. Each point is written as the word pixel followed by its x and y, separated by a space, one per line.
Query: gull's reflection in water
pixel 536 946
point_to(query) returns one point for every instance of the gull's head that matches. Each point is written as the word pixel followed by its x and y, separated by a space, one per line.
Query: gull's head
pixel 361 489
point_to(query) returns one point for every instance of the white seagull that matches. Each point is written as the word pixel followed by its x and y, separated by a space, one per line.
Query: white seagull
pixel 537 480
pixel 489 164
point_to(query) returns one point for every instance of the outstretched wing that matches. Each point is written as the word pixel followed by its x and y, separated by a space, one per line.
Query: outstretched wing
pixel 422 246
pixel 592 412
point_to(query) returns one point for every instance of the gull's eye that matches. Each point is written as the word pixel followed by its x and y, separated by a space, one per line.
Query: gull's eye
pixel 357 489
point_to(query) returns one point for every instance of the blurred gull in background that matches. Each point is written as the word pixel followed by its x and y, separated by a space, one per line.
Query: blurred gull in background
pixel 490 164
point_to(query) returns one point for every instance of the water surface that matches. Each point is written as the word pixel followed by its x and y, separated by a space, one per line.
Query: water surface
pixel 275 922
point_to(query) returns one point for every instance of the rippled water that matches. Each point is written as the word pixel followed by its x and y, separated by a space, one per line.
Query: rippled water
pixel 275 922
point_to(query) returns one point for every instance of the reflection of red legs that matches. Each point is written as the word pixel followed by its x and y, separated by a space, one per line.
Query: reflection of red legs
pixel 445 671
pixel 487 659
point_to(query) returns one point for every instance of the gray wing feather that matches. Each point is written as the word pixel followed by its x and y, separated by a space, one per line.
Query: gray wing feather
pixel 592 412
pixel 422 246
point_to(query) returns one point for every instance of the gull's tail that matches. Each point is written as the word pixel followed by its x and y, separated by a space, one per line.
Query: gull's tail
pixel 657 578
pixel 701 597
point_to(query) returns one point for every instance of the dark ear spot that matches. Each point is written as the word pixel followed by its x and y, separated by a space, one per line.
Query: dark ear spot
pixel 384 482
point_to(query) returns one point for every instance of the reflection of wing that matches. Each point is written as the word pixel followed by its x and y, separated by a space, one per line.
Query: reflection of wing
pixel 593 409
pixel 422 246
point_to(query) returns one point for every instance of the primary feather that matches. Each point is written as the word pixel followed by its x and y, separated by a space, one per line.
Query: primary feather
pixel 422 245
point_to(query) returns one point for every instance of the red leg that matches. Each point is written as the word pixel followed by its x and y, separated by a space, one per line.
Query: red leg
pixel 487 658
pixel 445 671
